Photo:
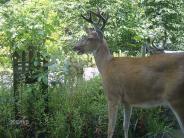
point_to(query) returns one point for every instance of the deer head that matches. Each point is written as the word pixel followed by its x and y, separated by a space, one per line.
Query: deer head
pixel 94 38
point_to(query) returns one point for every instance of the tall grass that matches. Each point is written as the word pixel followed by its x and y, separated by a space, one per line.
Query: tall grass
pixel 77 110
pixel 81 110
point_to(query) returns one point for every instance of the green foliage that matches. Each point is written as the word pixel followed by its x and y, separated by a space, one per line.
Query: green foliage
pixel 163 20
pixel 77 112
pixel 4 58
pixel 27 24
pixel 82 109
pixel 56 25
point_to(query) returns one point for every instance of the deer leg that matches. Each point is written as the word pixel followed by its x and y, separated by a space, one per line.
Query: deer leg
pixel 112 113
pixel 178 109
pixel 126 122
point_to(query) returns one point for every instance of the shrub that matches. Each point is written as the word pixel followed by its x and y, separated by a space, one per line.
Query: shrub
pixel 77 110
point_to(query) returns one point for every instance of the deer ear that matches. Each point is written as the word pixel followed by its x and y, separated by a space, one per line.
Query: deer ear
pixel 88 30
pixel 100 34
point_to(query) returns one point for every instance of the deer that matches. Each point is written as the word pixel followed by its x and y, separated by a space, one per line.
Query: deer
pixel 143 82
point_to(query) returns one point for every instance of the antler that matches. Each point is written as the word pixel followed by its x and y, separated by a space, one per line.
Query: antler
pixel 101 17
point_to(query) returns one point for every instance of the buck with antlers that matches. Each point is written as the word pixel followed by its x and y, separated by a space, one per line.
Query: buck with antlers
pixel 134 82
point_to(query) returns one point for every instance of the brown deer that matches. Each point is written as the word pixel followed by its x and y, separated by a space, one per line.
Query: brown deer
pixel 134 82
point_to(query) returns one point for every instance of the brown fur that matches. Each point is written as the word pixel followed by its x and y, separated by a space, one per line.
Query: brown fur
pixel 141 80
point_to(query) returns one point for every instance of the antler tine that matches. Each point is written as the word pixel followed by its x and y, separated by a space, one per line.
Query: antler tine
pixel 105 20
pixel 100 16
pixel 98 12
pixel 89 19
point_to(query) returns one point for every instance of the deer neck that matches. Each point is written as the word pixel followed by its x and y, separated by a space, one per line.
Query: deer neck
pixel 102 56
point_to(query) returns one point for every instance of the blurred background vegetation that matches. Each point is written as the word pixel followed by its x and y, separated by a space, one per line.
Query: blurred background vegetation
pixel 78 107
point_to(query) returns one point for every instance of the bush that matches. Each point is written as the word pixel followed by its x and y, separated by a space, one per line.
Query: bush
pixel 80 110
pixel 77 110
